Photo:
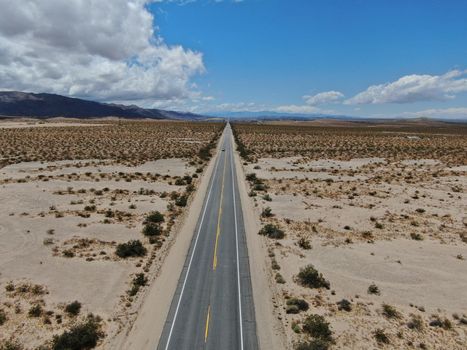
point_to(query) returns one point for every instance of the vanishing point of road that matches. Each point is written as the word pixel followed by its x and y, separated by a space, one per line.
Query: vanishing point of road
pixel 212 307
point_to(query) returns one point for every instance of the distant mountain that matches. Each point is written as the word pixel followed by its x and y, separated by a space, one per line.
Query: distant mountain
pixel 24 104
pixel 264 116
pixel 268 115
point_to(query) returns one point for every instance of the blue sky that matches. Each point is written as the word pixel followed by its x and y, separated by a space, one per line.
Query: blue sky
pixel 269 54
pixel 372 58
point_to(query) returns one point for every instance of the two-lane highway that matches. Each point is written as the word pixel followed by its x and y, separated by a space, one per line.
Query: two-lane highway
pixel 213 305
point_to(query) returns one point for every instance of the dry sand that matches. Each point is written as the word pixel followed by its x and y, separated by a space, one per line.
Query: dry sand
pixel 365 229
pixel 40 218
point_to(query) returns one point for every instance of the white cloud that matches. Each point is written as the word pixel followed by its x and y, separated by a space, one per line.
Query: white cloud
pixel 414 88
pixel 441 113
pixel 323 97
pixel 105 50
pixel 302 109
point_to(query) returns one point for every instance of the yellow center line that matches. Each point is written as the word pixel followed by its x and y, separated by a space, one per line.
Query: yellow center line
pixel 206 332
pixel 218 232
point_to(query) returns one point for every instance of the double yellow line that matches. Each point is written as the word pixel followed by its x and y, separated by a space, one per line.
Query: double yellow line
pixel 218 232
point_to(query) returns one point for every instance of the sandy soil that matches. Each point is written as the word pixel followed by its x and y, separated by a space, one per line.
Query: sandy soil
pixel 399 225
pixel 43 215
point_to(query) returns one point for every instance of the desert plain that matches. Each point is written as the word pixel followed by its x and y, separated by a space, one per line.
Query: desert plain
pixel 88 212
pixel 364 230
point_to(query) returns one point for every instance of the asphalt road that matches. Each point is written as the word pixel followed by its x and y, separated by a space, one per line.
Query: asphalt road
pixel 213 305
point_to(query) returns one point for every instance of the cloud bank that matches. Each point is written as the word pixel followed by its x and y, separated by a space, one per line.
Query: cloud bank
pixel 323 98
pixel 414 88
pixel 105 50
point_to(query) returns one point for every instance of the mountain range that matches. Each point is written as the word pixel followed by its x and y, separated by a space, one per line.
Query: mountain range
pixel 25 104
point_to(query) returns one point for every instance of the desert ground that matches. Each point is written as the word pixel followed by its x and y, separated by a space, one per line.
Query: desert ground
pixel 88 212
pixel 364 231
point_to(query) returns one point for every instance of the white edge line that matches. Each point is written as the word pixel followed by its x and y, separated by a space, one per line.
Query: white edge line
pixel 191 258
pixel 236 242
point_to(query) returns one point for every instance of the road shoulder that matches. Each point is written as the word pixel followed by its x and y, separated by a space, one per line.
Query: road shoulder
pixel 270 331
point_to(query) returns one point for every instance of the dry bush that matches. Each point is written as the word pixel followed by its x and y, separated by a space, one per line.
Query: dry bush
pixel 133 142
pixel 446 142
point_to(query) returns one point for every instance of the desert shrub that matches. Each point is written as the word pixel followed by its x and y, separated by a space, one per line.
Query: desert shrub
pixel 130 249
pixel 301 304
pixel 304 243
pixel 310 277
pixel 259 187
pixel 345 305
pixel 416 236
pixel 10 287
pixel 267 212
pixel 73 308
pixel 373 289
pixel 272 231
pixel 90 208
pixel 151 229
pixel 279 278
pixel 390 311
pixel 314 344
pixel 292 309
pixel 140 280
pixel 438 322
pixel 82 336
pixel 3 317
pixel 416 323
pixel 68 253
pixel 180 182
pixel 381 337
pixel 251 177
pixel 10 345
pixel 317 327
pixel 181 201
pixel 35 311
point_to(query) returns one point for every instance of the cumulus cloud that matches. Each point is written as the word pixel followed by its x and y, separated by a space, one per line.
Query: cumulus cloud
pixel 414 88
pixel 441 113
pixel 105 50
pixel 323 97
pixel 300 109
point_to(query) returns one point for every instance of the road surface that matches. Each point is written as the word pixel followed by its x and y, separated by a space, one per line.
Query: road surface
pixel 213 305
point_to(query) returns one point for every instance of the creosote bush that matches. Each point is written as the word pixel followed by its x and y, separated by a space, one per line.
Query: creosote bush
pixel 154 217
pixel 10 345
pixel 295 304
pixel 35 311
pixel 317 327
pixel 272 231
pixel 345 305
pixel 139 281
pixel 381 337
pixel 310 277
pixel 73 308
pixel 130 249
pixel 152 229
pixel 314 344
pixel 373 289
pixel 3 317
pixel 82 336
pixel 390 312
